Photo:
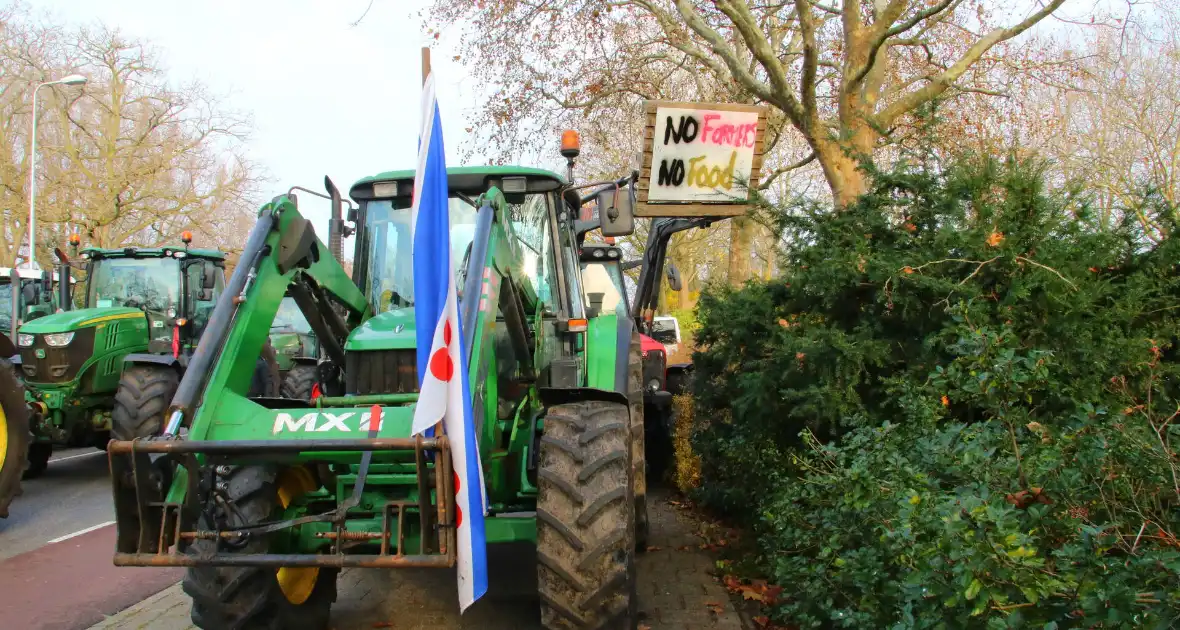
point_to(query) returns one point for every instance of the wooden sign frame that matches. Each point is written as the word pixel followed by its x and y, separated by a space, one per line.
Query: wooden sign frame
pixel 644 208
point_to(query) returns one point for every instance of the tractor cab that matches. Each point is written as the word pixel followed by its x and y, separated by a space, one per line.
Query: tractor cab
pixel 137 306
pixel 174 288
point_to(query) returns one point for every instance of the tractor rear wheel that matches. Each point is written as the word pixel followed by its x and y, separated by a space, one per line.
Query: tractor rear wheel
pixel 142 400
pixel 638 439
pixel 586 519
pixel 256 598
pixel 299 381
pixel 14 436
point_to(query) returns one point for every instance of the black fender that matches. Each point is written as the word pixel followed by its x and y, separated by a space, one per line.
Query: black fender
pixel 156 359
pixel 551 396
pixel 312 361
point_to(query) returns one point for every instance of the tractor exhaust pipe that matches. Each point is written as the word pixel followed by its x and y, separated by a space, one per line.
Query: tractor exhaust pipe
pixel 336 222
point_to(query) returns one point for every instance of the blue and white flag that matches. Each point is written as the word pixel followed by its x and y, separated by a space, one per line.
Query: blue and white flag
pixel 442 369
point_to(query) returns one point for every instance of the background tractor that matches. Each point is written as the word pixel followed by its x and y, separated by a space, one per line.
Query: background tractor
pixel 25 295
pixel 296 351
pixel 143 310
pixel 266 499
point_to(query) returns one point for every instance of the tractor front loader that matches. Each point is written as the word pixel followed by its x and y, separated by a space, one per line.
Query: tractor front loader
pixel 265 499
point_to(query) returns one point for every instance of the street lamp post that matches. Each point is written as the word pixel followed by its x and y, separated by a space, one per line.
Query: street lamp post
pixel 73 79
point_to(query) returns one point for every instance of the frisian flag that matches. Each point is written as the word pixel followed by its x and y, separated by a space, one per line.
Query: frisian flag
pixel 444 393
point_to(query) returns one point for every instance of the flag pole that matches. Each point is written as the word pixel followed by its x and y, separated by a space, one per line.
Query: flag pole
pixel 448 539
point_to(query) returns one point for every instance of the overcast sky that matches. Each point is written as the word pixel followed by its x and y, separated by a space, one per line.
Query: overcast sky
pixel 326 98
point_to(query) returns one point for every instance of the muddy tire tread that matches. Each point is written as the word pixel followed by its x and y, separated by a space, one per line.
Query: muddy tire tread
pixel 585 519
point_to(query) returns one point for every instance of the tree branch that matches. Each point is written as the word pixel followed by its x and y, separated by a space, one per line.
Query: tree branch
pixel 945 79
pixel 764 184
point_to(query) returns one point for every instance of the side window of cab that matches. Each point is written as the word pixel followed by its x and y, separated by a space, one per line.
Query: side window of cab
pixel 530 226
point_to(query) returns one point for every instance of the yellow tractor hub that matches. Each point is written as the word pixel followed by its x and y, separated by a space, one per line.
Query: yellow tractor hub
pixel 297 583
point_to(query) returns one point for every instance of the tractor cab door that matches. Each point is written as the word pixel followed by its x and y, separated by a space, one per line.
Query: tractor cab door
pixel 204 281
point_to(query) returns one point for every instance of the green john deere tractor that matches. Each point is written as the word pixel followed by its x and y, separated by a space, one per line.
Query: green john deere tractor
pixel 264 500
pixel 296 351
pixel 143 309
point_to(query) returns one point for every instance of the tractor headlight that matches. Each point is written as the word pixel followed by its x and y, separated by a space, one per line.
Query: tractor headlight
pixel 58 340
pixel 24 340
pixel 653 385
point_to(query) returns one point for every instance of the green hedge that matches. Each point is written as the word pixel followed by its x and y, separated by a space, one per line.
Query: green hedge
pixel 956 408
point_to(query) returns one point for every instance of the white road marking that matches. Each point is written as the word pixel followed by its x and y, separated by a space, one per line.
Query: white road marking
pixel 80 532
pixel 62 459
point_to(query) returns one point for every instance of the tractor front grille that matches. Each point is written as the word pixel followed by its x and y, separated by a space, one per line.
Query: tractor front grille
pixel 56 365
pixel 381 371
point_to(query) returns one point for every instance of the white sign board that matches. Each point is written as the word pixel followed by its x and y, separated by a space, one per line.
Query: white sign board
pixel 702 155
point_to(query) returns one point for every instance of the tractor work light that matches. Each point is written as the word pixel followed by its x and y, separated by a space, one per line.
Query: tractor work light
pixel 598 253
pixel 58 340
pixel 571 144
pixel 24 340
pixel 515 184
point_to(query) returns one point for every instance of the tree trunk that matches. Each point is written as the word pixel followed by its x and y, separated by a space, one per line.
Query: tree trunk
pixel 843 174
pixel 741 237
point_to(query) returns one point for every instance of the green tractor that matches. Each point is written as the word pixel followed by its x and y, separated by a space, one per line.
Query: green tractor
pixel 143 309
pixel 296 351
pixel 25 295
pixel 265 500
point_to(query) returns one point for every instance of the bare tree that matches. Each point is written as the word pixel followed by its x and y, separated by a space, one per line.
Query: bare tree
pixel 127 160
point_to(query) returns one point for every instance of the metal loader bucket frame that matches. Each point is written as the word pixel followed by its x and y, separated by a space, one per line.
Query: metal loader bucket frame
pixel 155 532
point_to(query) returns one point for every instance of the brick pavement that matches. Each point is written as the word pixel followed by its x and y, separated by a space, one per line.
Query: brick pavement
pixel 675 590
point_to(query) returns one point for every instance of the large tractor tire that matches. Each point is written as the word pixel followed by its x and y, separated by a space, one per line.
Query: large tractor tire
pixel 14 436
pixel 586 519
pixel 638 437
pixel 256 598
pixel 299 381
pixel 142 400
pixel 141 406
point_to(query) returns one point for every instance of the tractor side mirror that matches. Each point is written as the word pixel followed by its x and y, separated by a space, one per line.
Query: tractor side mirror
pixel 616 212
pixel 674 281
pixel 29 294
pixel 46 282
pixel 208 279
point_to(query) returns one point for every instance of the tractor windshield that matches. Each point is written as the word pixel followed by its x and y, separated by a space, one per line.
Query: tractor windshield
pixel 390 269
pixel 290 318
pixel 6 306
pixel 149 283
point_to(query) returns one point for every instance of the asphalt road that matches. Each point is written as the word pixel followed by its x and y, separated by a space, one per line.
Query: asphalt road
pixel 74 493
pixel 56 546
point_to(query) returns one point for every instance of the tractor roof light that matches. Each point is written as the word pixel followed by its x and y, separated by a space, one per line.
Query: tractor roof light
pixel 186 237
pixel 571 144
pixel 74 239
